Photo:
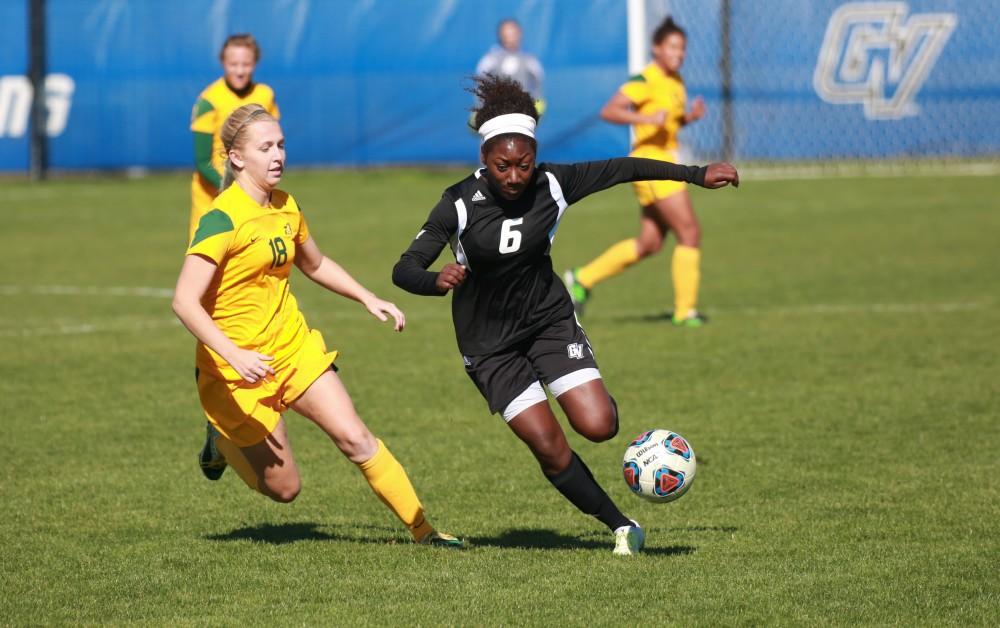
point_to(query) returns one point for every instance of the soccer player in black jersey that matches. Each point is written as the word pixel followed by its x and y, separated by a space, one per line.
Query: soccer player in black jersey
pixel 513 318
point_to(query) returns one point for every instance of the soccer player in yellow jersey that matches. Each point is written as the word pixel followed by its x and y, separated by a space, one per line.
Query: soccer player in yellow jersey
pixel 255 356
pixel 654 103
pixel 239 57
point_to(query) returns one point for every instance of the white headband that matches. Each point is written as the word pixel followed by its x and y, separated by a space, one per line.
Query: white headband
pixel 507 123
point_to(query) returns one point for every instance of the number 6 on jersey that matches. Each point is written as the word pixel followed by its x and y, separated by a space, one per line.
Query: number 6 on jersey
pixel 510 240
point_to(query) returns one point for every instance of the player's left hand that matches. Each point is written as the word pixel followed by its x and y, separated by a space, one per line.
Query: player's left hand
pixel 382 310
pixel 698 110
pixel 721 174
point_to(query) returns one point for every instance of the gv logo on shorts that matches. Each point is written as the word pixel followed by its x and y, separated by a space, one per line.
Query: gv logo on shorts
pixel 873 55
pixel 574 350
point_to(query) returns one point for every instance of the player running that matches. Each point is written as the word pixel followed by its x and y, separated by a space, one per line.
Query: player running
pixel 239 57
pixel 513 319
pixel 654 103
pixel 256 357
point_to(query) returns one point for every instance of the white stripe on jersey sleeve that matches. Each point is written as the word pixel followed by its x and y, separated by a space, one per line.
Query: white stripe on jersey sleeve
pixel 557 195
pixel 456 243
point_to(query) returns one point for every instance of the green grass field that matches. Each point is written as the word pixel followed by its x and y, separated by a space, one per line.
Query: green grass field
pixel 843 403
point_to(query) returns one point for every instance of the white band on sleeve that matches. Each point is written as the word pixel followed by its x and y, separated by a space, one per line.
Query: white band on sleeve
pixel 572 380
pixel 507 123
pixel 532 394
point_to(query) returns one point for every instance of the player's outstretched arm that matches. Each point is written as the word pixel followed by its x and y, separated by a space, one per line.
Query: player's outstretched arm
pixel 583 179
pixel 333 277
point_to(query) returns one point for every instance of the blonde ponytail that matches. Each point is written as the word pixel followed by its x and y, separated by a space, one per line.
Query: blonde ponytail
pixel 227 175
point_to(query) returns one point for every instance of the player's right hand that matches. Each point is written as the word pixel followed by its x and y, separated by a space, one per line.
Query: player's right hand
pixel 721 174
pixel 250 365
pixel 449 277
pixel 659 118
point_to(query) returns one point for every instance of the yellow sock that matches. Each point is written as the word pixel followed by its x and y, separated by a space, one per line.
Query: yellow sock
pixel 389 481
pixel 617 258
pixel 238 462
pixel 686 271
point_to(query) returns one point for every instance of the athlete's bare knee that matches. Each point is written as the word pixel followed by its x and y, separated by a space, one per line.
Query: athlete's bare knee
pixel 358 444
pixel 285 496
pixel 605 431
pixel 283 490
pixel 616 422
pixel 648 246
pixel 599 428
pixel 556 462
pixel 551 450
pixel 549 446
pixel 591 411
pixel 689 234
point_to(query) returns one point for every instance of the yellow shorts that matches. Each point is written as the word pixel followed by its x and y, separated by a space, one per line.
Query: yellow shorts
pixel 246 413
pixel 649 192
pixel 202 195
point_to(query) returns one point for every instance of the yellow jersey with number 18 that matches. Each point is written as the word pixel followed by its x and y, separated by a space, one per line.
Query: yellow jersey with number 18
pixel 249 298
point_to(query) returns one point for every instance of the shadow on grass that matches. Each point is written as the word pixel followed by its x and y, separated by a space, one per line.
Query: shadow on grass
pixel 722 529
pixel 549 539
pixel 283 533
pixel 649 317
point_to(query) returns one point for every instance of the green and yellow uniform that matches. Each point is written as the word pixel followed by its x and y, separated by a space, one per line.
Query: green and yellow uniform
pixel 250 301
pixel 214 105
pixel 651 91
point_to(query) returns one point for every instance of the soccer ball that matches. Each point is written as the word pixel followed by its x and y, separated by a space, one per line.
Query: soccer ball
pixel 659 465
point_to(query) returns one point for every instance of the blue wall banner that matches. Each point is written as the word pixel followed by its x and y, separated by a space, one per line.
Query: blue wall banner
pixel 830 79
pixel 382 81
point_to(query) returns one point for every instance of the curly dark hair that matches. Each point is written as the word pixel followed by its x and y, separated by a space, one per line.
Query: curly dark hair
pixel 497 96
pixel 667 27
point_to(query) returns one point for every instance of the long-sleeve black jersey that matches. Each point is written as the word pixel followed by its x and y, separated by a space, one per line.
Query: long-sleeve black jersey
pixel 510 290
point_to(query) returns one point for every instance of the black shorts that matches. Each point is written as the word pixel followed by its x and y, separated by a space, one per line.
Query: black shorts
pixel 550 354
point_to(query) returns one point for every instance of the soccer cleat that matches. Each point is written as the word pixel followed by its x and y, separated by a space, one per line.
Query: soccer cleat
pixel 440 539
pixel 577 292
pixel 693 319
pixel 629 539
pixel 211 460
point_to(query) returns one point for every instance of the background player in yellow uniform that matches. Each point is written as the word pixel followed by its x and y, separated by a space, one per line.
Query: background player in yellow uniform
pixel 239 57
pixel 654 103
pixel 256 356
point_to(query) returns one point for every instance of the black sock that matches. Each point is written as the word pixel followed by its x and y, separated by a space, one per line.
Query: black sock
pixel 578 485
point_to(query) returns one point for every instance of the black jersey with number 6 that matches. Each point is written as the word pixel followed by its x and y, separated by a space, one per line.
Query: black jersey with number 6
pixel 510 290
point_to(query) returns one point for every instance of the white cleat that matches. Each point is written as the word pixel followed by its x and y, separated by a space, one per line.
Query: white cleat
pixel 629 539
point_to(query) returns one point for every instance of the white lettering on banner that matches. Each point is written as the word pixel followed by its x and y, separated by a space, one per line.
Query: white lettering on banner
pixel 874 56
pixel 15 104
